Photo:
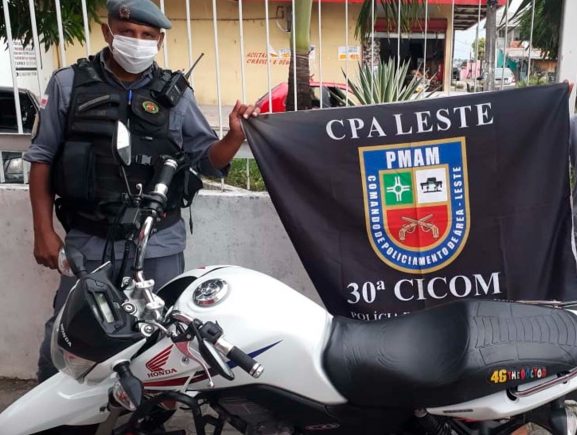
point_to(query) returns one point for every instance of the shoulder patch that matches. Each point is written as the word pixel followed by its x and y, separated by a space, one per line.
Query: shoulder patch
pixel 44 101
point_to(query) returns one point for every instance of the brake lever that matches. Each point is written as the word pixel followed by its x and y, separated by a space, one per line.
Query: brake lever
pixel 207 350
pixel 185 349
pixel 209 353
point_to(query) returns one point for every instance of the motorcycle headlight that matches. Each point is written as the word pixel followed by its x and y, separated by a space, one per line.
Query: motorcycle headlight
pixel 65 361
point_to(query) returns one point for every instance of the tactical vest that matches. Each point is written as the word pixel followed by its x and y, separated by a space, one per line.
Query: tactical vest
pixel 86 177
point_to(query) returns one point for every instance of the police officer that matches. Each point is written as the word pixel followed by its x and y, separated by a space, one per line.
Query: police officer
pixel 70 152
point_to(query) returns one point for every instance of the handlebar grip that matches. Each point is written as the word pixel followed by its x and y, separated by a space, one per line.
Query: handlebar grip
pixel 165 176
pixel 246 362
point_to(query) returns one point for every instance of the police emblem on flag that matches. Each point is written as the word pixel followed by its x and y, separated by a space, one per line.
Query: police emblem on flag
pixel 416 202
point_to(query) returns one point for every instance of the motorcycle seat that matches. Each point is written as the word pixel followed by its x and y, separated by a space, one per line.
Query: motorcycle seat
pixel 448 354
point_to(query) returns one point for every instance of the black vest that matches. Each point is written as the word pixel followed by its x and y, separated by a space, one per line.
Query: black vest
pixel 86 176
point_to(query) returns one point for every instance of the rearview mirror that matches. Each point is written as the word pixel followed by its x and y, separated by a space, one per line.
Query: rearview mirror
pixel 121 144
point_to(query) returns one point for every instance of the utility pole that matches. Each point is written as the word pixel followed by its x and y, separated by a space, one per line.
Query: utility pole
pixel 490 42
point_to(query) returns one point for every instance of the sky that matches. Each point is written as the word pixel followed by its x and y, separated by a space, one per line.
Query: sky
pixel 464 38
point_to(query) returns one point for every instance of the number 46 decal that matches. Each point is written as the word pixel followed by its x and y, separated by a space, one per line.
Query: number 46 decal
pixel 502 376
pixel 499 376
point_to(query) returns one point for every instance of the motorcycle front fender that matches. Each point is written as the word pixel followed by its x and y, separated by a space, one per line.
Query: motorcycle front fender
pixel 58 401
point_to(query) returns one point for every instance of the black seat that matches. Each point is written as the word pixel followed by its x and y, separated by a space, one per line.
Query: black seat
pixel 448 354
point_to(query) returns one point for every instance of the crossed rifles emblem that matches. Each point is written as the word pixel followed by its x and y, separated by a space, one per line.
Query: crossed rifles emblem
pixel 423 223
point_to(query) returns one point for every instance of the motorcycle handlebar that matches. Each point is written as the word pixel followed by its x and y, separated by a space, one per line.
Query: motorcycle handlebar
pixel 245 362
pixel 165 176
pixel 237 355
pixel 156 201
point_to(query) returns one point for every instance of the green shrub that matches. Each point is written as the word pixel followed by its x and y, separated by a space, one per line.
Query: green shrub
pixel 536 79
pixel 384 84
pixel 237 175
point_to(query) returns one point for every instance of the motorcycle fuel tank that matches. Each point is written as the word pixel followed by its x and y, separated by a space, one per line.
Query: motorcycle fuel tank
pixel 282 329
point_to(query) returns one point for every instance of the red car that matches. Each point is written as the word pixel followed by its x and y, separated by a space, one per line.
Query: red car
pixel 279 95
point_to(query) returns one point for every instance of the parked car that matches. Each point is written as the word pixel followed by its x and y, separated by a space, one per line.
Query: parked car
pixel 12 163
pixel 501 74
pixel 279 95
pixel 507 76
pixel 28 108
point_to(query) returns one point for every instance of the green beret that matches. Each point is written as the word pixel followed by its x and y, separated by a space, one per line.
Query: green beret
pixel 138 11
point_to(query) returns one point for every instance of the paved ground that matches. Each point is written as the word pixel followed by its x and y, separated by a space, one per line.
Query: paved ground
pixel 11 389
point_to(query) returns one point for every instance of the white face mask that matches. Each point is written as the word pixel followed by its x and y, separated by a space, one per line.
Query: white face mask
pixel 132 54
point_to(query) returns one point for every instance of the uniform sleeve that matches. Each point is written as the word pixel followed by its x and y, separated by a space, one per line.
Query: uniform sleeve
pixel 52 118
pixel 197 137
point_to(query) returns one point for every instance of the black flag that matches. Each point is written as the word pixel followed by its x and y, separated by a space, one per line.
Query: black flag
pixel 396 207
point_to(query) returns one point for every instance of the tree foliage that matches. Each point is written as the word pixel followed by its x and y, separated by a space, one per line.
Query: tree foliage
pixel 72 23
pixel 546 31
pixel 481 52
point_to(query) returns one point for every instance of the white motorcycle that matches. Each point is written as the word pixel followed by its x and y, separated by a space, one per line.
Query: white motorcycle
pixel 267 360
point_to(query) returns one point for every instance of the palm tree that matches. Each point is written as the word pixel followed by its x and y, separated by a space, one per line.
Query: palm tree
pixel 382 81
pixel 411 12
pixel 72 22
pixel 301 32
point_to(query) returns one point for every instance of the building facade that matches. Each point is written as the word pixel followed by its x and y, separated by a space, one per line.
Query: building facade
pixel 335 49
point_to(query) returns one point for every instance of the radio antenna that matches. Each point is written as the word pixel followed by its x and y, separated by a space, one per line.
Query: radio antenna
pixel 187 75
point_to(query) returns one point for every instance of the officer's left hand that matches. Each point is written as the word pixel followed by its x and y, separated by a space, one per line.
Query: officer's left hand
pixel 240 111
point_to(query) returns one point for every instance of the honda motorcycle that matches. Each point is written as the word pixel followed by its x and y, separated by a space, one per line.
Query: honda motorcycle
pixel 237 347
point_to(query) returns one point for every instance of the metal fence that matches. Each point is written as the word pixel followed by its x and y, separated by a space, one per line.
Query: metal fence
pixel 462 14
